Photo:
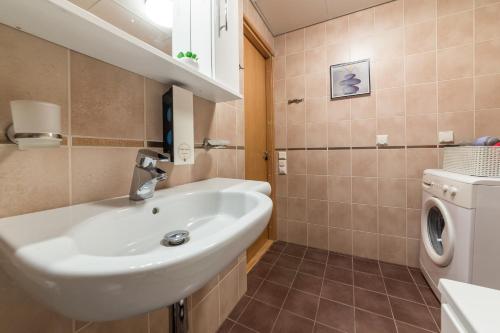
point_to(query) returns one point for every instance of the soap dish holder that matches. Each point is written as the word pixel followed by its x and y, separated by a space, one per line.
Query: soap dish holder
pixel 32 140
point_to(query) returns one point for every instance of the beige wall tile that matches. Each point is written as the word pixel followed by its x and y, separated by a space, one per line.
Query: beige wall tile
pixel 389 73
pixel 389 15
pixel 135 324
pixel 316 135
pixel 393 127
pixel 421 98
pixel 363 132
pixel 297 209
pixel 392 221
pixel 454 30
pixel 226 163
pixel 279 68
pixel 364 162
pixel 317 212
pixel 295 64
pixel 338 110
pixel 225 116
pixel 413 223
pixel 446 7
pixel 364 190
pixel 456 95
pixel 365 244
pixel 393 249
pixel 420 37
pixel 421 68
pixel 363 107
pixel 315 35
pixel 487 122
pixel 487 23
pixel 317 187
pixel 339 215
pixel 295 87
pixel 111 177
pixel 391 163
pixel 391 192
pixel 317 236
pixel 315 60
pixel 297 232
pixel 316 110
pixel 317 162
pixel 205 164
pixel 154 109
pixel 412 252
pixel 454 63
pixel 361 23
pixel 33 180
pixel 340 240
pixel 316 85
pixel 421 129
pixel 339 162
pixel 337 53
pixel 339 134
pixel 486 92
pixel 106 101
pixel 19 313
pixel 419 159
pixel 339 189
pixel 295 41
pixel 419 10
pixel 487 60
pixel 390 102
pixel 297 162
pixel 296 114
pixel 414 193
pixel 31 69
pixel 364 217
pixel 297 186
pixel 461 123
pixel 337 30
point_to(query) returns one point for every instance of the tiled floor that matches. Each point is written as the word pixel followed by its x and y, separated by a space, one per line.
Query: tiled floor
pixel 299 289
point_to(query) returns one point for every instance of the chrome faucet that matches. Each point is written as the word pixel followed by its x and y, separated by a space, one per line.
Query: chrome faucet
pixel 146 174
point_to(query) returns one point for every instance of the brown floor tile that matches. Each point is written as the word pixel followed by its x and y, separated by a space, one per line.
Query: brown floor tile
pixel 271 293
pixel 396 272
pixel 318 328
pixel 300 303
pixel 237 328
pixel 418 276
pixel 261 269
pixel 336 315
pixel 278 246
pixel 366 266
pixel 406 328
pixel 312 267
pixel 338 274
pixel 367 322
pixel 295 250
pixel 316 255
pixel 436 314
pixel 289 323
pixel 339 260
pixel 270 257
pixel 281 275
pixel 288 262
pixel 239 307
pixel 253 283
pixel 307 283
pixel 259 316
pixel 369 281
pixel 403 290
pixel 337 291
pixel 372 301
pixel 226 326
pixel 429 297
pixel 412 313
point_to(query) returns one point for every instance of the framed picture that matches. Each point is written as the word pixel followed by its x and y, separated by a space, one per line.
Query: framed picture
pixel 350 79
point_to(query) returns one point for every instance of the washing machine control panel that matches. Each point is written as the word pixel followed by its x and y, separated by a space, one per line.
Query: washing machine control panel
pixel 460 194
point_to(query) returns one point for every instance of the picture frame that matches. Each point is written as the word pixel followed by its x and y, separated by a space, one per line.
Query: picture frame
pixel 350 79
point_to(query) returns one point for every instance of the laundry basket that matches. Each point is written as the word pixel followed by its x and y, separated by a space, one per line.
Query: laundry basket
pixel 473 160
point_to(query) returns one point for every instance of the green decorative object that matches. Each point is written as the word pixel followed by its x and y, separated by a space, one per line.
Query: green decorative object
pixel 187 54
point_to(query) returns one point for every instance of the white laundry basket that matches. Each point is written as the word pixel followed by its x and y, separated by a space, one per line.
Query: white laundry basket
pixel 473 160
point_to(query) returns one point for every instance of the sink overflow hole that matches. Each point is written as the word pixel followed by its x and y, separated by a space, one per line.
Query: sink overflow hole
pixel 175 238
pixel 156 210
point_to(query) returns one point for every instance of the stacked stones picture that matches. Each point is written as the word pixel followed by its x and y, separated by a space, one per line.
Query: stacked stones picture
pixel 350 79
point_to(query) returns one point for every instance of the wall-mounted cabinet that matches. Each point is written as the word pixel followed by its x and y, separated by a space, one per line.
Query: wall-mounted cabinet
pixel 143 37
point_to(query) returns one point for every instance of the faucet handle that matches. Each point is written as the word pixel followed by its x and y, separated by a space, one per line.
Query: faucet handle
pixel 147 158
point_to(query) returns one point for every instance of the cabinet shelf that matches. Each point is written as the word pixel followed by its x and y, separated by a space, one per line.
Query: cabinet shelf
pixel 65 24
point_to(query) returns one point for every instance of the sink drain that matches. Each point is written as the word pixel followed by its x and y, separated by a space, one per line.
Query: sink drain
pixel 175 238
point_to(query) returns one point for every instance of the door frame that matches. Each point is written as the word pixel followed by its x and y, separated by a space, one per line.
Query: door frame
pixel 250 32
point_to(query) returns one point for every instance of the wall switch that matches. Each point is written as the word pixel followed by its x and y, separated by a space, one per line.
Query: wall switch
pixel 282 167
pixel 446 137
pixel 382 139
pixel 282 155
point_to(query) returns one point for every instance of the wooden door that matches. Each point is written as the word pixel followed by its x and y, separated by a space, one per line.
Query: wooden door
pixel 256 159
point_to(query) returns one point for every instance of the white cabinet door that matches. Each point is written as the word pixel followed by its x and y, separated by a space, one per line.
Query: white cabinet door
pixel 201 34
pixel 226 35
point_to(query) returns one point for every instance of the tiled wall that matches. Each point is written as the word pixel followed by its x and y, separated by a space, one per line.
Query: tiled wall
pixel 435 66
pixel 108 114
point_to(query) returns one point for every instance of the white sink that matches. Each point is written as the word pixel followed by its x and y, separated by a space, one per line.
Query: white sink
pixel 105 261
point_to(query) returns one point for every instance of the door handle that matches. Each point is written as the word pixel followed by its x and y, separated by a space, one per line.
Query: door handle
pixel 265 156
pixel 222 27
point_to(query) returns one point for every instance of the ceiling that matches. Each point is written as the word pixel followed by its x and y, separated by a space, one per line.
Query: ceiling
pixel 286 15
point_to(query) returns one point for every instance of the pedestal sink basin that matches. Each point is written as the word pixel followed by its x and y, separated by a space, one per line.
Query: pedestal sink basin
pixel 106 260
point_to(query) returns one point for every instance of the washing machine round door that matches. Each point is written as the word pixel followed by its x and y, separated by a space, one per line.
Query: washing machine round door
pixel 438 232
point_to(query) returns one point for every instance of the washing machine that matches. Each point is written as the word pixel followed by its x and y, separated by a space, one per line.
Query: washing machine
pixel 460 229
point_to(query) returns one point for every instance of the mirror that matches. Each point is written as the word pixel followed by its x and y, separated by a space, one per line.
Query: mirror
pixel 149 20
